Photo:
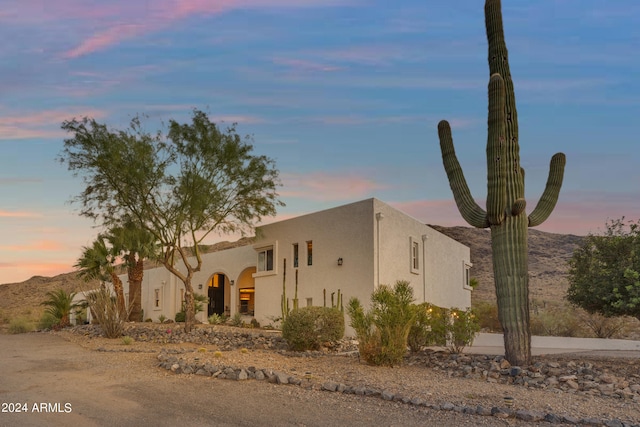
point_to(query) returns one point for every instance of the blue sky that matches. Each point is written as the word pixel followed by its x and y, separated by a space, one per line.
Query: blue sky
pixel 345 95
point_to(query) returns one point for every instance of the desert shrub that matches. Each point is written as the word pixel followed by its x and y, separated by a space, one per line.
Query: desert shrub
pixel 462 329
pixel 236 320
pixel 602 326
pixel 383 330
pixel 180 316
pixel 47 321
pixel 308 327
pixel 215 319
pixel 429 327
pixel 557 321
pixel 127 340
pixel 255 324
pixel 487 316
pixel 162 318
pixel 106 312
pixel 20 325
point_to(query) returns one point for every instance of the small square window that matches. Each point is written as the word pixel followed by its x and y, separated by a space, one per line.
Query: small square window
pixel 265 259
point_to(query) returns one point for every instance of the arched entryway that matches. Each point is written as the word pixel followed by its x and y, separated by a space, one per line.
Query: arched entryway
pixel 218 304
pixel 246 292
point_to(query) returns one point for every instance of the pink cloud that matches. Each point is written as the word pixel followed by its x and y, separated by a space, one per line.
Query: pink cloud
pixel 104 39
pixel 125 20
pixel 576 213
pixel 42 124
pixel 14 214
pixel 327 186
pixel 41 246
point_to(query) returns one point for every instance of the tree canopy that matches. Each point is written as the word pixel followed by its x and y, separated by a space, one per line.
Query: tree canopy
pixel 180 184
pixel 604 274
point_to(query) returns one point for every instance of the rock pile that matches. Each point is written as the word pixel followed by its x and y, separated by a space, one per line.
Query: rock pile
pixel 580 377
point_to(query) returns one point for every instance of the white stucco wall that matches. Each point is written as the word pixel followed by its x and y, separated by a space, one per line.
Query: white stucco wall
pixel 344 232
pixel 230 262
pixel 440 276
pixel 372 238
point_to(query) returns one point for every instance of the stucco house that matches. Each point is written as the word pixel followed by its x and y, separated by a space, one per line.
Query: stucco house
pixel 351 248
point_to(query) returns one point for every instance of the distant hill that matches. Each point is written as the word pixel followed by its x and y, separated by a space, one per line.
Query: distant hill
pixel 548 256
pixel 24 298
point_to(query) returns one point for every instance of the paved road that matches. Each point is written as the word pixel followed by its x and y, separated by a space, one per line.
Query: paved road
pixel 494 344
pixel 89 388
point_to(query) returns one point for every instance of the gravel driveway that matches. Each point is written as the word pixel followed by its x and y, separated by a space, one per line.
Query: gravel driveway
pixel 55 382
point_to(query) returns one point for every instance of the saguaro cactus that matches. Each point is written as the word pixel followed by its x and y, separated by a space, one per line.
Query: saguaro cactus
pixel 505 211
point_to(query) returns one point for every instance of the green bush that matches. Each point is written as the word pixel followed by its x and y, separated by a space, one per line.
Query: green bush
pixel 20 325
pixel 383 331
pixel 462 329
pixel 308 327
pixel 487 315
pixel 180 316
pixel 215 319
pixel 48 321
pixel 429 328
pixel 236 320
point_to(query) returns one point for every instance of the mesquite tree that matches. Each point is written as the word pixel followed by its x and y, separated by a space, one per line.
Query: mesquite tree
pixel 179 186
pixel 505 211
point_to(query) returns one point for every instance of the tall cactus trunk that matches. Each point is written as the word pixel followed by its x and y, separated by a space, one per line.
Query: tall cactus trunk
pixel 505 209
pixel 510 269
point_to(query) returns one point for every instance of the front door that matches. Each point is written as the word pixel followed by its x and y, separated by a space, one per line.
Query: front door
pixel 216 295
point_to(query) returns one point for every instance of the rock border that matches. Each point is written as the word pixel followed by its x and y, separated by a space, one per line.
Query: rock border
pixel 171 362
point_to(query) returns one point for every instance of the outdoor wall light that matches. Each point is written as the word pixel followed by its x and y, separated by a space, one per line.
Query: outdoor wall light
pixel 232 282
pixel 339 261
pixel 200 286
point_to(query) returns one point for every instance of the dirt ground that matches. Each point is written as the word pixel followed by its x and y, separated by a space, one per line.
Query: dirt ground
pixel 63 379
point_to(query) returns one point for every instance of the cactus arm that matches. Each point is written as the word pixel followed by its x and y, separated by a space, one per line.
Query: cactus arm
pixel 551 192
pixel 469 209
pixel 496 150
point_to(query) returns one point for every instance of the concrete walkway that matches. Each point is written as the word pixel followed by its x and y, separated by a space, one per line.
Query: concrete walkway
pixel 494 344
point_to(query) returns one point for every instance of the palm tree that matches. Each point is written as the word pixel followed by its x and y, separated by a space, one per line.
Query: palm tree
pixel 134 245
pixel 98 262
pixel 59 305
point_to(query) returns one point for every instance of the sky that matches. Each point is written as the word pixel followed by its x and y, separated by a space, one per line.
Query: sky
pixel 344 95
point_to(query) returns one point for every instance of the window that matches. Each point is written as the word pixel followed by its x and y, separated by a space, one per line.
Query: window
pixel 265 259
pixel 295 255
pixel 467 275
pixel 156 298
pixel 415 255
pixel 309 252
